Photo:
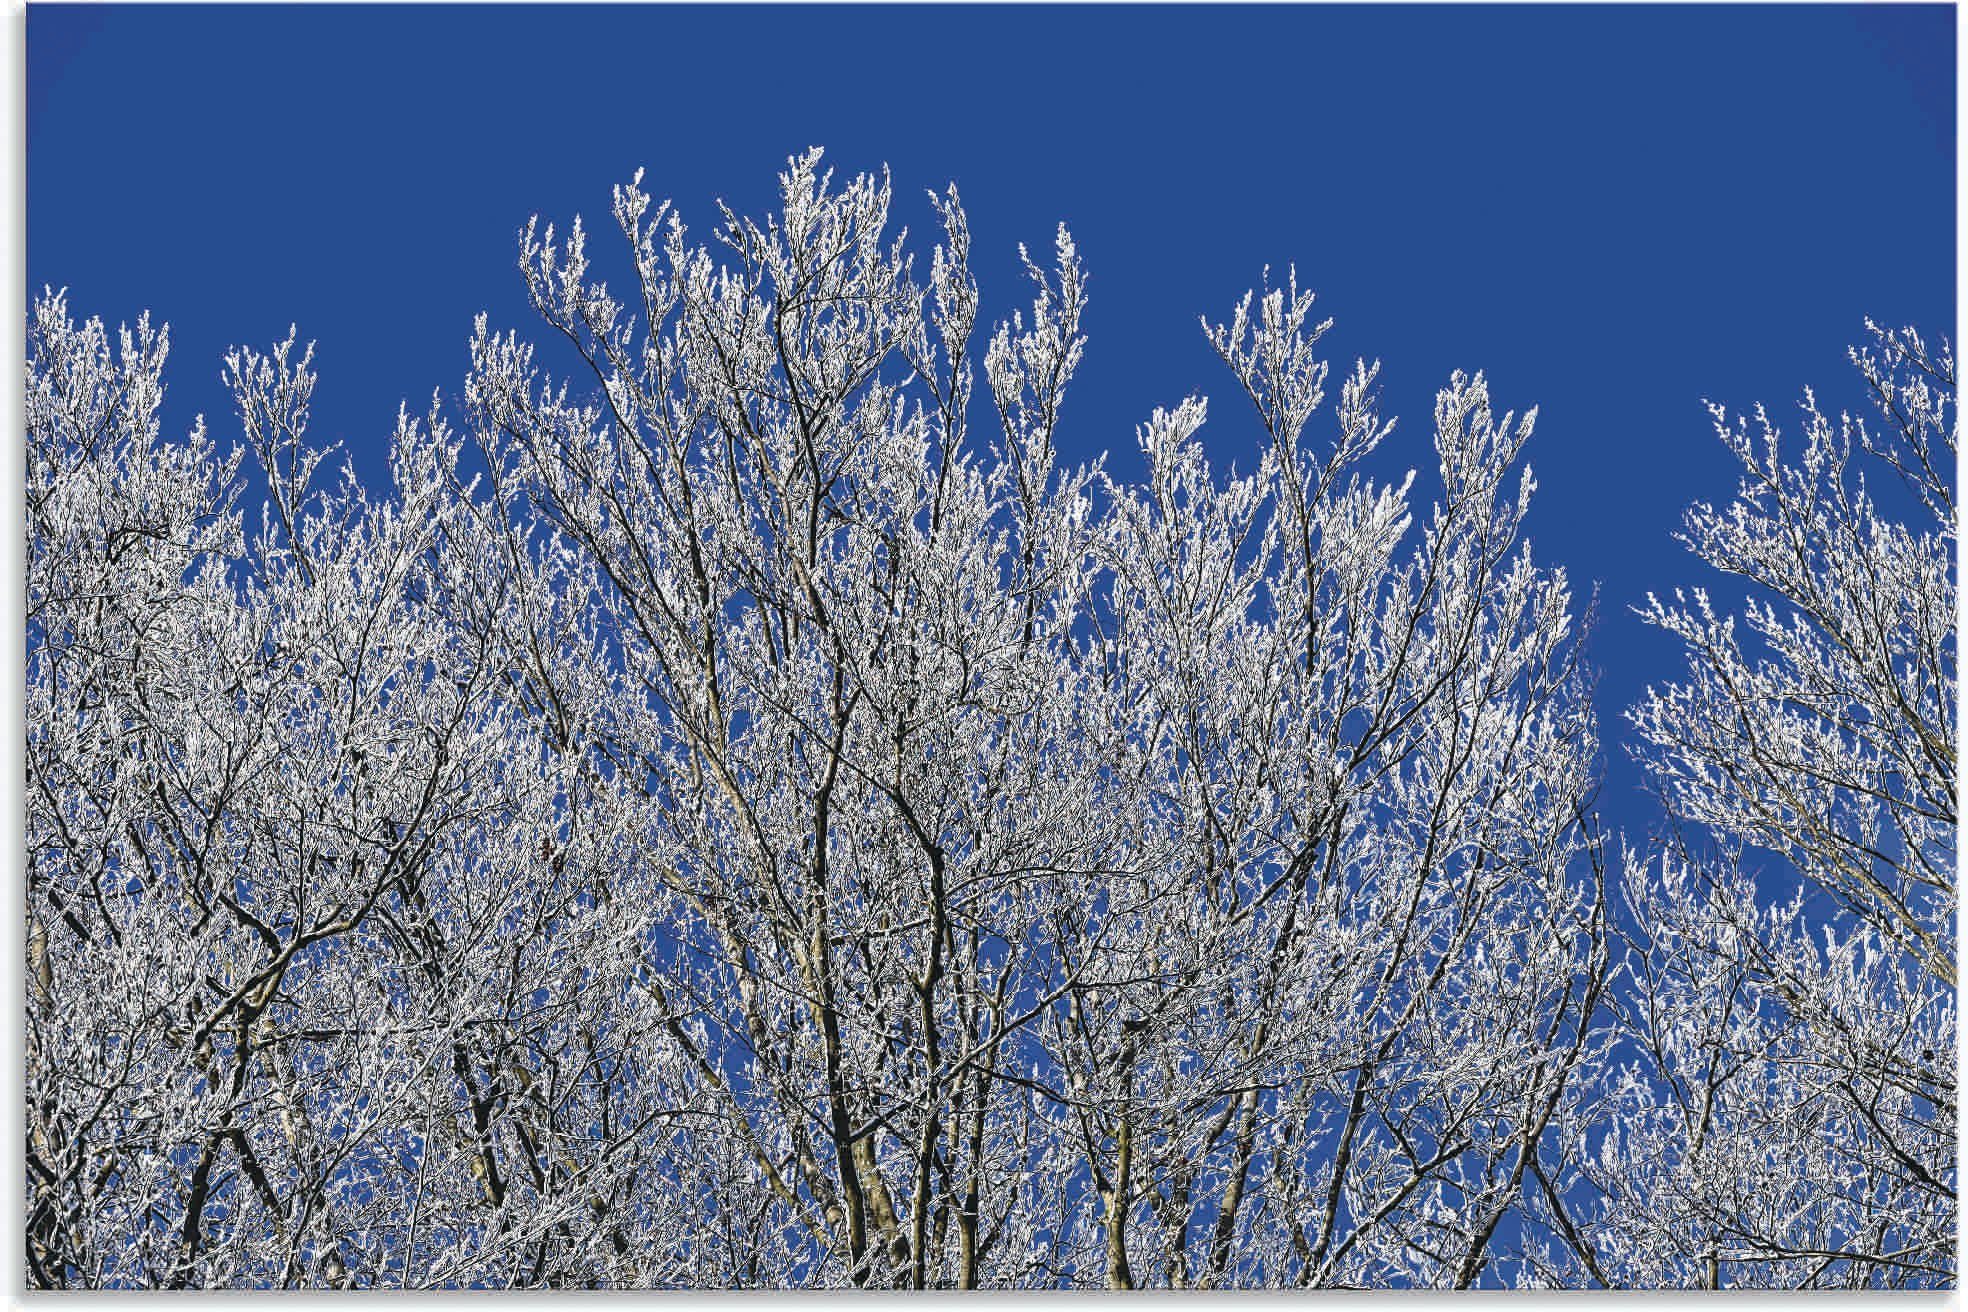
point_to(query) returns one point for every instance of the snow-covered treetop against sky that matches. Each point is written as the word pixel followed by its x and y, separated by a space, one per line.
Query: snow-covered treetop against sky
pixel 744 818
pixel 1616 213
pixel 786 775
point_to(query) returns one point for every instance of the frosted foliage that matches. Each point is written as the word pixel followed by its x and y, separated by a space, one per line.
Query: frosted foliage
pixel 1782 1111
pixel 740 809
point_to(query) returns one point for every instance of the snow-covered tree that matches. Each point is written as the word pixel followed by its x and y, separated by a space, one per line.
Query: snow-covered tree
pixel 1784 1111
pixel 1062 880
pixel 742 810
pixel 306 969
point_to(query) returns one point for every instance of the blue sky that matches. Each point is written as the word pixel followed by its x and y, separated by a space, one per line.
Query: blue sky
pixel 1615 211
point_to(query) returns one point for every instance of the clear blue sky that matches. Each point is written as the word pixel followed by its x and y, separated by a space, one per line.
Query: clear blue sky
pixel 1615 211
